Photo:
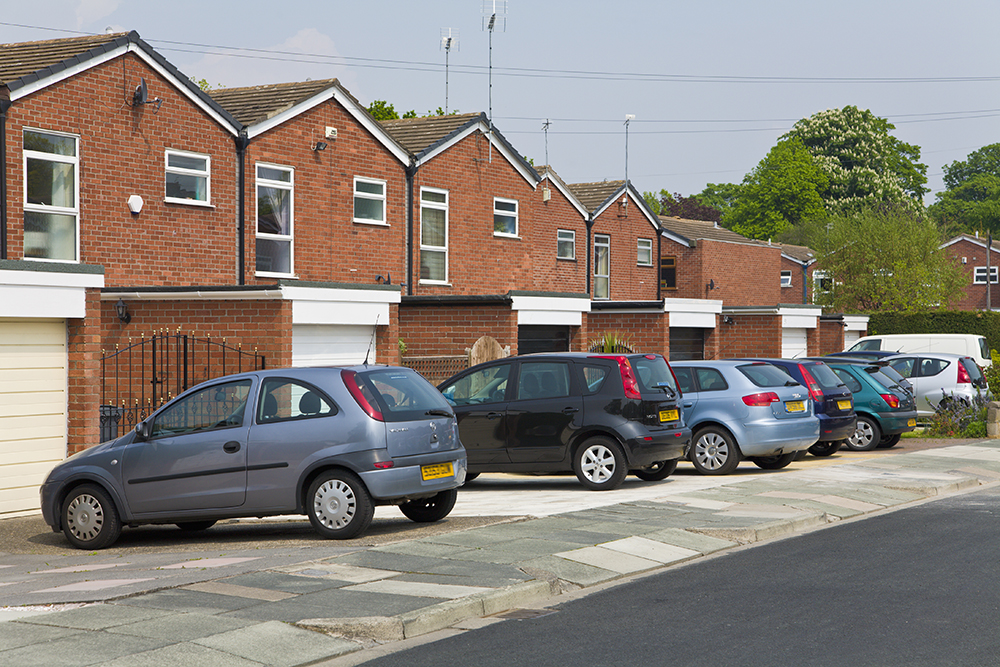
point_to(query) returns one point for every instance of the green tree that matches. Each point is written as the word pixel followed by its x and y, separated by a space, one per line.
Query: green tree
pixel 972 199
pixel 678 206
pixel 783 190
pixel 720 196
pixel 382 110
pixel 865 165
pixel 884 258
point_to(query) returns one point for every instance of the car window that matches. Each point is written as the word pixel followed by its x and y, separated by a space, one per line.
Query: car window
pixel 765 375
pixel 486 385
pixel 903 366
pixel 710 379
pixel 283 399
pixel 403 394
pixel 848 379
pixel 824 376
pixel 652 372
pixel 892 374
pixel 975 374
pixel 881 378
pixel 218 406
pixel 984 349
pixel 543 379
pixel 685 379
pixel 870 344
pixel 593 378
pixel 931 367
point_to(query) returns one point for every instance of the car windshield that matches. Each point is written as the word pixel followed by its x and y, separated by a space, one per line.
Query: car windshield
pixel 404 395
pixel 871 344
pixel 653 373
pixel 766 375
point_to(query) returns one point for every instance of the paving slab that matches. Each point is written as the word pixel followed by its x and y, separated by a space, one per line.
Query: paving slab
pixel 278 644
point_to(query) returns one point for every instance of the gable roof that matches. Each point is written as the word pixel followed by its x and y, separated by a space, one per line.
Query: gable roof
pixel 27 67
pixel 975 240
pixel 797 253
pixel 597 197
pixel 688 231
pixel 547 173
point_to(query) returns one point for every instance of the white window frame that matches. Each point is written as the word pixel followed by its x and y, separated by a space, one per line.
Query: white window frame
pixel 818 278
pixel 566 236
pixel 644 245
pixel 73 211
pixel 290 237
pixel 979 277
pixel 384 222
pixel 602 241
pixel 198 173
pixel 786 278
pixel 440 206
pixel 506 214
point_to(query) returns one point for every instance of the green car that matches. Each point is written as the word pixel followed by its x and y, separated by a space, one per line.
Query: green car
pixel 885 410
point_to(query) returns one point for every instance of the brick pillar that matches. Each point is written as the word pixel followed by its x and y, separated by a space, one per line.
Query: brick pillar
pixel 83 371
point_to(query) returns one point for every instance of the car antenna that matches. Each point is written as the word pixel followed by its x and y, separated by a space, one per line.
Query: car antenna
pixel 371 343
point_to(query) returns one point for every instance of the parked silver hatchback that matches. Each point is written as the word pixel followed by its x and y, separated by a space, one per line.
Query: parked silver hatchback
pixel 330 443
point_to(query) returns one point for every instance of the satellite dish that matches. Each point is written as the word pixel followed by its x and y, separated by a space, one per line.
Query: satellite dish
pixel 141 95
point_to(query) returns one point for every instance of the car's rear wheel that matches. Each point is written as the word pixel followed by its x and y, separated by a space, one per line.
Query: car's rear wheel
pixel 774 462
pixel 89 518
pixel 338 505
pixel 195 526
pixel 888 441
pixel 826 448
pixel 469 476
pixel 657 471
pixel 714 452
pixel 435 508
pixel 866 436
pixel 600 464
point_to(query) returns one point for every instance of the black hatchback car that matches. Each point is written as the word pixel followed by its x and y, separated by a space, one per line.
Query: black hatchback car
pixel 832 400
pixel 598 415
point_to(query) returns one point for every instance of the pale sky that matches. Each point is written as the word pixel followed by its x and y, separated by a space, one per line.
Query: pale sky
pixel 712 83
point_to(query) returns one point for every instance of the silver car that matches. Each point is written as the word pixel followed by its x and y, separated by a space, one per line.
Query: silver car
pixel 330 443
pixel 938 378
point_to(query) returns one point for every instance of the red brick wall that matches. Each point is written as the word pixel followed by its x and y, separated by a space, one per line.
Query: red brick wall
pixel 84 356
pixel 433 330
pixel 647 332
pixel 121 153
pixel 793 294
pixel 552 274
pixel 831 337
pixel 750 336
pixel 744 275
pixel 690 283
pixel 629 282
pixel 975 255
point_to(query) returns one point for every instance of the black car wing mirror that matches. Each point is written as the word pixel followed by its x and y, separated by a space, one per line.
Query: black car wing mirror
pixel 142 431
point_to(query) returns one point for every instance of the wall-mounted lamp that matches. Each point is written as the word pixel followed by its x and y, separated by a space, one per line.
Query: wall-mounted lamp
pixel 386 280
pixel 711 284
pixel 122 310
pixel 726 319
pixel 320 146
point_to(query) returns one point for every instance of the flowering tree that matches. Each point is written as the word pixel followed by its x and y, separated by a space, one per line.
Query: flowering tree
pixel 865 165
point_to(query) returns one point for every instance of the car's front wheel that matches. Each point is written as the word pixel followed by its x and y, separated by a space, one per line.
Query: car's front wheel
pixel 89 518
pixel 430 509
pixel 338 505
pixel 600 464
pixel 774 462
pixel 827 448
pixel 714 452
pixel 866 436
pixel 657 471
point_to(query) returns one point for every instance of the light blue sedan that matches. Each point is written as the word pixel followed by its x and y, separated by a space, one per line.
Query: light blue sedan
pixel 739 409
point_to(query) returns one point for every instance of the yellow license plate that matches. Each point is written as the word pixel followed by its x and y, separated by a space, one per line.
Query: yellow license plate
pixel 668 415
pixel 795 406
pixel 436 471
pixel 912 422
pixel 844 405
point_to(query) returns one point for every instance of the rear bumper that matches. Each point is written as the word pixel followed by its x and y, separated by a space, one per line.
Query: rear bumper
pixel 405 481
pixel 892 423
pixel 832 429
pixel 655 447
pixel 779 437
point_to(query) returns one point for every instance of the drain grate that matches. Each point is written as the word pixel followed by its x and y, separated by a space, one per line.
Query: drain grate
pixel 526 614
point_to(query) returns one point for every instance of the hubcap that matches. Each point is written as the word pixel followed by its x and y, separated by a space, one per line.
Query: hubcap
pixel 598 464
pixel 711 451
pixel 85 517
pixel 335 504
pixel 862 435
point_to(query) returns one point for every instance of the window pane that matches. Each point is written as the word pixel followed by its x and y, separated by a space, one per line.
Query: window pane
pixel 432 265
pixel 369 209
pixel 504 224
pixel 283 175
pixel 287 399
pixel 510 206
pixel 49 143
pixel 51 183
pixel 274 256
pixel 183 186
pixel 187 162
pixel 213 407
pixel 566 245
pixel 432 227
pixel 49 236
pixel 274 211
pixel 437 197
pixel 602 261
pixel 602 288
pixel 644 252
pixel 370 188
pixel 487 385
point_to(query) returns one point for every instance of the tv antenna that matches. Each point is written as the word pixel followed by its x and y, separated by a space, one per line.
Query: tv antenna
pixel 494 12
pixel 629 117
pixel 545 129
pixel 449 40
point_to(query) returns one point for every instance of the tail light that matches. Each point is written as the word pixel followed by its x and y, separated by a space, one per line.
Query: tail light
pixel 367 403
pixel 963 374
pixel 762 399
pixel 814 391
pixel 629 383
pixel 891 399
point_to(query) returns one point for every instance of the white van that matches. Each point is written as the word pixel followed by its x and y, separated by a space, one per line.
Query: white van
pixel 967 344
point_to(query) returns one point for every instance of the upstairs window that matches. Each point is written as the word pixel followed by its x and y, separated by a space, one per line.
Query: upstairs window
pixel 51 197
pixel 786 278
pixel 602 266
pixel 668 273
pixel 369 201
pixel 565 244
pixel 644 252
pixel 980 275
pixel 188 178
pixel 433 236
pixel 504 217
pixel 275 209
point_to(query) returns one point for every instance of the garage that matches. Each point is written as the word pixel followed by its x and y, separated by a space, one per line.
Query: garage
pixel 332 344
pixel 33 405
pixel 794 343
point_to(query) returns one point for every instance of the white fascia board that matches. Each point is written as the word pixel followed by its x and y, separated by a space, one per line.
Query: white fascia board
pixel 51 279
pixel 45 301
pixel 584 213
pixel 694 313
pixel 675 237
pixel 791 317
pixel 311 305
pixel 978 242
pixel 196 295
pixel 799 261
pixel 856 322
pixel 550 310
pixel 500 148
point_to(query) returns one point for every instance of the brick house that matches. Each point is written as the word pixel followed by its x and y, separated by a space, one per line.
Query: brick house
pixel 980 264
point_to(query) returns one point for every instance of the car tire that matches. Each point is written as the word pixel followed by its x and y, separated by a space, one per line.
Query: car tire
pixel 427 510
pixel 195 526
pixel 89 518
pixel 657 471
pixel 866 436
pixel 714 452
pixel 338 505
pixel 469 476
pixel 600 464
pixel 888 441
pixel 774 462
pixel 826 448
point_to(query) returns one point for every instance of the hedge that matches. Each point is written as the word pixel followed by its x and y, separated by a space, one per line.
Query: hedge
pixel 983 323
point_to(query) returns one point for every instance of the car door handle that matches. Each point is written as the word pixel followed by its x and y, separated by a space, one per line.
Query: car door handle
pixel 688 404
pixel 494 415
pixel 231 447
pixel 570 411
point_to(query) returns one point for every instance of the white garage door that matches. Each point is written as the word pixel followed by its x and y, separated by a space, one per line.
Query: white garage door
pixel 794 343
pixel 33 388
pixel 850 338
pixel 331 344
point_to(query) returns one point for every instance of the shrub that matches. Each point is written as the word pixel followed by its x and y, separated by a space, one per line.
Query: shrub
pixel 955 418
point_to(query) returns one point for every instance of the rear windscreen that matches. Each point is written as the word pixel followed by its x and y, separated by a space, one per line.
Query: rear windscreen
pixel 653 373
pixel 974 373
pixel 876 374
pixel 404 395
pixel 824 376
pixel 766 375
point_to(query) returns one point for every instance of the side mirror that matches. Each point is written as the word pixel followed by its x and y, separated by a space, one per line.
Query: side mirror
pixel 142 430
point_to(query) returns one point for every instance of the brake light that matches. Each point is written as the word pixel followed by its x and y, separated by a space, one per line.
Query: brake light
pixel 629 383
pixel 891 399
pixel 762 399
pixel 963 374
pixel 814 391
pixel 351 381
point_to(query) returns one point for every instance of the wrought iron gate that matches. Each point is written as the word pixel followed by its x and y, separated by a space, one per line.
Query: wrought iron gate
pixel 139 378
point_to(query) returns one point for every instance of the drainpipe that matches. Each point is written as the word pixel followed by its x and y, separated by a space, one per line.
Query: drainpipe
pixel 659 265
pixel 590 227
pixel 805 283
pixel 411 172
pixel 242 141
pixel 4 105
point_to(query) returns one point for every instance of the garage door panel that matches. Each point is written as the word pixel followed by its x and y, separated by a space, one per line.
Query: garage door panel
pixel 794 343
pixel 21 332
pixel 331 345
pixel 32 356
pixel 55 405
pixel 31 379
pixel 30 427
